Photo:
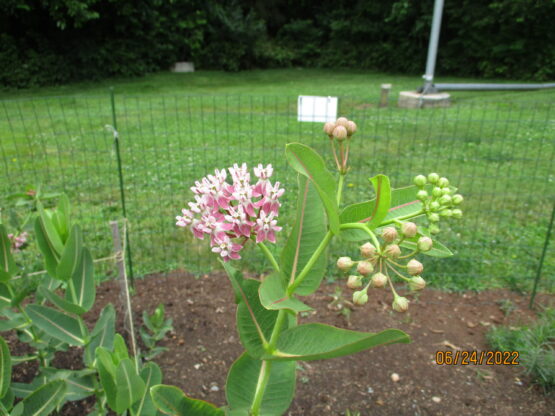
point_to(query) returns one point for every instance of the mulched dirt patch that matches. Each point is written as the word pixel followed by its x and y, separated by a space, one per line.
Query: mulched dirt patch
pixel 204 344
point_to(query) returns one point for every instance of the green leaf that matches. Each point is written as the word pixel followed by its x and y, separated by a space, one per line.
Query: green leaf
pixel 318 341
pixel 130 386
pixel 310 164
pixel 7 264
pixel 81 290
pixel 5 367
pixel 5 296
pixel 51 257
pixel 50 230
pixel 102 335
pixel 254 322
pixel 7 402
pixel 306 236
pixel 438 249
pixel 107 374
pixel 60 218
pixel 172 401
pixel 79 383
pixel 71 257
pixel 60 302
pixel 44 400
pixel 152 376
pixel 273 296
pixel 236 279
pixel 120 349
pixel 242 381
pixel 57 324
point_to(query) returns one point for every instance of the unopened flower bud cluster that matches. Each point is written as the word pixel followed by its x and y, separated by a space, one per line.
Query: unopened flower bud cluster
pixel 380 265
pixel 439 201
pixel 18 241
pixel 341 132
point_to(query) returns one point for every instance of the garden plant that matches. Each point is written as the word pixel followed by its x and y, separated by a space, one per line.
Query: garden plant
pixel 391 230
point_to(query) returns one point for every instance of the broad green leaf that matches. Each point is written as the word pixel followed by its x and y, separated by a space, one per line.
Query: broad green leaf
pixel 152 376
pixel 382 202
pixel 61 302
pixel 242 380
pixel 57 324
pixel 44 400
pixel 318 341
pixel 50 230
pixel 22 390
pixel 18 359
pixel 102 335
pixel 438 249
pixel 310 164
pixel 51 257
pixel 170 400
pixel 7 264
pixel 236 279
pixel 107 374
pixel 254 322
pixel 14 321
pixel 273 296
pixel 81 290
pixel 120 349
pixel 307 234
pixel 60 218
pixel 71 256
pixel 7 402
pixel 5 367
pixel 130 386
pixel 403 203
pixel 79 383
pixel 5 296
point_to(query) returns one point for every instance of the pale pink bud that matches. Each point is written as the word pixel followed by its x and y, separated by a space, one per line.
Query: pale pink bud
pixel 354 282
pixel 393 251
pixel 379 280
pixel 351 128
pixel 424 244
pixel 365 268
pixel 409 229
pixel 328 128
pixel 389 234
pixel 400 304
pixel 345 263
pixel 342 121
pixel 417 283
pixel 414 267
pixel 340 133
pixel 367 250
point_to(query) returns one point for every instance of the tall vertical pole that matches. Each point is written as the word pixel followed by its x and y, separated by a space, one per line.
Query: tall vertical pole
pixel 121 188
pixel 544 251
pixel 432 48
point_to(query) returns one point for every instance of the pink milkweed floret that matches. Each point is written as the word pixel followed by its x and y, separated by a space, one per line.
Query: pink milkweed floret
pixel 231 213
pixel 18 241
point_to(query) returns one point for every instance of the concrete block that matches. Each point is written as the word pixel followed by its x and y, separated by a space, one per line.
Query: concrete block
pixel 413 99
pixel 183 67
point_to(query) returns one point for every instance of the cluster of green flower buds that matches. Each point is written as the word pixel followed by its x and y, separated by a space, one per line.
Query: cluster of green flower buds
pixel 438 198
pixel 381 262
pixel 341 132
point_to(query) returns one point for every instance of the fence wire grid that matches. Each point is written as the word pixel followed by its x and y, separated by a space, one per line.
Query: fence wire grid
pixel 499 154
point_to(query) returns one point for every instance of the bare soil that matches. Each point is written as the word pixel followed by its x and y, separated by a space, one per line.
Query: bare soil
pixel 204 344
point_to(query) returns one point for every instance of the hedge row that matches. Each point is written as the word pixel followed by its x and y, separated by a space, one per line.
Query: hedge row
pixel 57 41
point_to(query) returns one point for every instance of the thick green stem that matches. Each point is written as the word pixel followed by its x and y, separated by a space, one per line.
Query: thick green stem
pixel 340 187
pixel 363 227
pixel 263 378
pixel 269 256
pixel 405 217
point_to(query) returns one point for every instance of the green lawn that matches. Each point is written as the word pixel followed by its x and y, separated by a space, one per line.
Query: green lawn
pixel 174 128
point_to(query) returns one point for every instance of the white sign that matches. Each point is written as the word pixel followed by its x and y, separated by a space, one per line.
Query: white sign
pixel 316 109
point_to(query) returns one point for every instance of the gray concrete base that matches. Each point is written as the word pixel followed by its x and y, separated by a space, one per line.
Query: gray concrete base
pixel 183 67
pixel 413 99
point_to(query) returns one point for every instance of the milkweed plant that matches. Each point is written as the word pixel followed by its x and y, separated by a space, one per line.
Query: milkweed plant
pixel 236 207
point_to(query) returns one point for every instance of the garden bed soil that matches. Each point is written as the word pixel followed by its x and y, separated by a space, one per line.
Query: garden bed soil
pixel 204 344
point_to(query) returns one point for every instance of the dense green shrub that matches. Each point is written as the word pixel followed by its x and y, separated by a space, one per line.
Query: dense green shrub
pixel 65 40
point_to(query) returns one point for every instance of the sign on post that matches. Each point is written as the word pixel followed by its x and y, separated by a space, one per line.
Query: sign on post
pixel 316 109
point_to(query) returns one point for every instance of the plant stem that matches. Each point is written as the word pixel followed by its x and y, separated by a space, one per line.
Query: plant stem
pixel 263 378
pixel 269 256
pixel 405 217
pixel 361 226
pixel 308 266
pixel 340 187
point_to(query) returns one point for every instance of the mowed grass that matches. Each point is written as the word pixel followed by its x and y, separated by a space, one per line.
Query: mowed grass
pixel 497 147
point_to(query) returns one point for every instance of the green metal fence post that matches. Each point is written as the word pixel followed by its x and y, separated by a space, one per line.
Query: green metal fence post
pixel 121 187
pixel 540 265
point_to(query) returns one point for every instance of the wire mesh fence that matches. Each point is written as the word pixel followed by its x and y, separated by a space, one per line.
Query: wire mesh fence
pixel 501 155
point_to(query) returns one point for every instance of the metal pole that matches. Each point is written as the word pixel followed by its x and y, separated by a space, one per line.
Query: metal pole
pixel 540 265
pixel 121 189
pixel 432 48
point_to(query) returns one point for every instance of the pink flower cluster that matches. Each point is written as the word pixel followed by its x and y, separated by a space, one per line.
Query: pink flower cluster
pixel 232 213
pixel 18 241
